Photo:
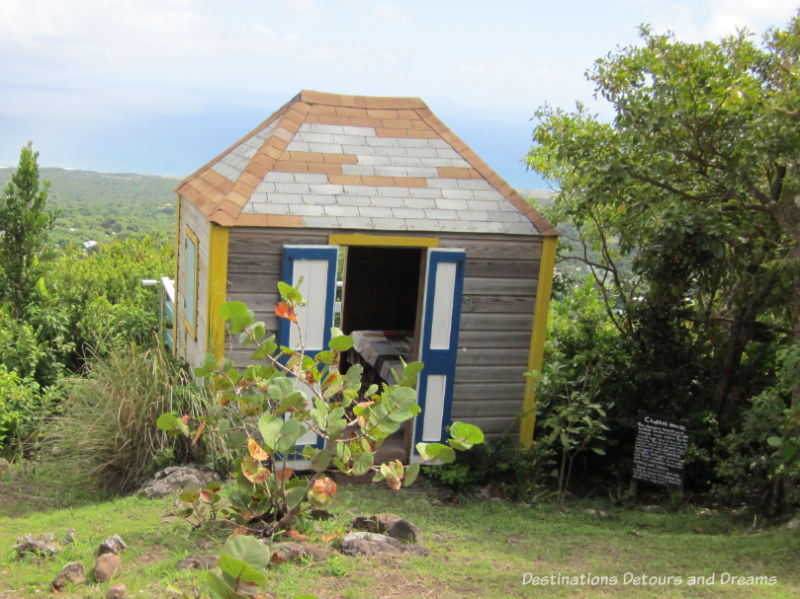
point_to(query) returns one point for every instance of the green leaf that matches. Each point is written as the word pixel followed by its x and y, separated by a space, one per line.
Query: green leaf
pixel 241 570
pixel 289 293
pixel 290 432
pixel 295 496
pixel 237 314
pixel 412 471
pixel 167 422
pixel 775 441
pixel 219 589
pixel 265 348
pixel 341 343
pixel 270 428
pixel 190 493
pixel 363 463
pixel 436 451
pixel 464 435
pixel 321 460
pixel 208 366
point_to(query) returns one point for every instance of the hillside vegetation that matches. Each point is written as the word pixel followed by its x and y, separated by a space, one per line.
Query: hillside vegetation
pixel 102 206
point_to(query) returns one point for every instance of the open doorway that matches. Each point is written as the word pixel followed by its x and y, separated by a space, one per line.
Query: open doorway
pixel 380 309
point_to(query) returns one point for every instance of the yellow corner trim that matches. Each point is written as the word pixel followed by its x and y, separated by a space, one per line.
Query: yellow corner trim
pixel 217 288
pixel 547 263
pixel 382 240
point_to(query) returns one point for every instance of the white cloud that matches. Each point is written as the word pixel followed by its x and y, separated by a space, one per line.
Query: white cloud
pixel 386 10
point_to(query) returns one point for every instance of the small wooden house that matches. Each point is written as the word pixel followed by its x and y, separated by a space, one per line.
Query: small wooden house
pixel 442 260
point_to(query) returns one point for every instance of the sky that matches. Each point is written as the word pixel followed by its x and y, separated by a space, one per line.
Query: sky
pixel 163 86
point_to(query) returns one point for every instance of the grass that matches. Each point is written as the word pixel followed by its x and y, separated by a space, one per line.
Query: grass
pixel 478 548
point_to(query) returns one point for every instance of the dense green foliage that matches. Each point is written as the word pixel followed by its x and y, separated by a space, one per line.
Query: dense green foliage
pixel 694 183
pixel 61 306
pixel 103 207
pixel 25 223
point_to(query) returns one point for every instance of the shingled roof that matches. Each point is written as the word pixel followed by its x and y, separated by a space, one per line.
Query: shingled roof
pixel 357 162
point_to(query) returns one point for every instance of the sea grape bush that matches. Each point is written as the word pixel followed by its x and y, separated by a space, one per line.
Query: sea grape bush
pixel 266 408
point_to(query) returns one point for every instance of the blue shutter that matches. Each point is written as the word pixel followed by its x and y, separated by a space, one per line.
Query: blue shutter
pixel 444 285
pixel 317 267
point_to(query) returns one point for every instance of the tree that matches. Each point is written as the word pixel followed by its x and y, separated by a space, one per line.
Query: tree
pixel 697 179
pixel 24 223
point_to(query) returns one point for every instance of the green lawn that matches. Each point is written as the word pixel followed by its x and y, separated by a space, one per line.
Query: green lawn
pixel 478 548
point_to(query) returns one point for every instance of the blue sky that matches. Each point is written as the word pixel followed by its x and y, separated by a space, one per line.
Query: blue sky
pixel 162 86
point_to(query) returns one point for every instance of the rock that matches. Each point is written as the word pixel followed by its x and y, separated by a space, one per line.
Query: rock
pixel 599 514
pixel 319 514
pixel 69 539
pixel 173 479
pixel 107 567
pixel 116 591
pixel 388 524
pixel 295 551
pixel 368 543
pixel 197 562
pixel 113 544
pixel 71 573
pixel 43 546
pixel 793 524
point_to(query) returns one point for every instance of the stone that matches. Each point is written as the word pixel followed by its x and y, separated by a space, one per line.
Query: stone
pixel 599 514
pixel 113 544
pixel 71 573
pixel 173 479
pixel 388 524
pixel 369 543
pixel 116 591
pixel 296 551
pixel 43 546
pixel 107 566
pixel 198 562
pixel 793 524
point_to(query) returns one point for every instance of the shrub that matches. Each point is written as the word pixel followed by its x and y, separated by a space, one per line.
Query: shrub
pixel 517 473
pixel 108 429
pixel 290 394
pixel 20 402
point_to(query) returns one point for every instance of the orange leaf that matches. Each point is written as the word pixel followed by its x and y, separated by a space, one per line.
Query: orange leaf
pixel 297 536
pixel 284 474
pixel 199 432
pixel 285 311
pixel 185 419
pixel 324 486
pixel 253 471
pixel 256 451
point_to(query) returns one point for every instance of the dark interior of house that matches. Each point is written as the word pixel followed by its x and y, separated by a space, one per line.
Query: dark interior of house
pixel 380 288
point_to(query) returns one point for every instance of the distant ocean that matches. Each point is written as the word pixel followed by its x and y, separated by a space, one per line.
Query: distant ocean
pixel 179 144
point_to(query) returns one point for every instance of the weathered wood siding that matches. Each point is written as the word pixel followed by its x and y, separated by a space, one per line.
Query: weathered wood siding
pixel 496 312
pixel 192 349
pixel 495 333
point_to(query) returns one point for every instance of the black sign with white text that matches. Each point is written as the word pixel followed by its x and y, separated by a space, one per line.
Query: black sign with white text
pixel 660 452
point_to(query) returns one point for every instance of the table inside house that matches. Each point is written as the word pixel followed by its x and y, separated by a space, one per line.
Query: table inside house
pixel 381 351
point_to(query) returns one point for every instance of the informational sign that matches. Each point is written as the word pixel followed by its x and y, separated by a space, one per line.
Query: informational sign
pixel 660 452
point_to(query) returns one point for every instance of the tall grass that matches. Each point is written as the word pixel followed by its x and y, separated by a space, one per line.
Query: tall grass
pixel 107 434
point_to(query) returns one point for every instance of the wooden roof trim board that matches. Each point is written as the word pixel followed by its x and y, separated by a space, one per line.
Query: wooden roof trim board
pixel 222 200
pixel 541 224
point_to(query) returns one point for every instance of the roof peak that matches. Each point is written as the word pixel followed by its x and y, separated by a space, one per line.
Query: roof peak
pixel 349 101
